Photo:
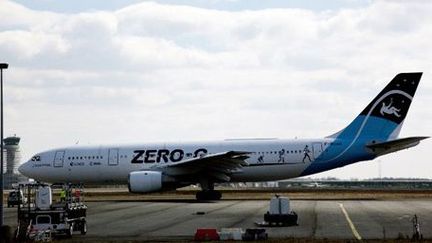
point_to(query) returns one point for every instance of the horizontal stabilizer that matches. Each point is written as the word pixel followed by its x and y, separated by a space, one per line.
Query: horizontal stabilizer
pixel 394 145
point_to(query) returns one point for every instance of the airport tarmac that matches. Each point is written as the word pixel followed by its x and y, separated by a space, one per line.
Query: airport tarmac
pixel 321 219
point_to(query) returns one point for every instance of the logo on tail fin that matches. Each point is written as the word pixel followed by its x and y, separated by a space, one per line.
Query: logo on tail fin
pixel 389 109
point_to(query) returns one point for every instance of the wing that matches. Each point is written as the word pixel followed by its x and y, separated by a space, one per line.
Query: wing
pixel 394 145
pixel 219 166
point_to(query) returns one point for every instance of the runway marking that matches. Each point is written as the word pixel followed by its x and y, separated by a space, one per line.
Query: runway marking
pixel 350 223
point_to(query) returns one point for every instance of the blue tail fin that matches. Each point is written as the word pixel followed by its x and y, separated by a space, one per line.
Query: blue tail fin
pixel 382 119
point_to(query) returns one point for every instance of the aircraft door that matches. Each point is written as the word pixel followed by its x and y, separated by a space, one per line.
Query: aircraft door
pixel 317 149
pixel 113 156
pixel 59 158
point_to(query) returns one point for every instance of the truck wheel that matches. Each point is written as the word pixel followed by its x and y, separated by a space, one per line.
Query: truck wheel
pixel 83 228
pixel 69 231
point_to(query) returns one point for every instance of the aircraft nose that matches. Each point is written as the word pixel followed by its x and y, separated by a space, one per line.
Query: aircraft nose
pixel 24 169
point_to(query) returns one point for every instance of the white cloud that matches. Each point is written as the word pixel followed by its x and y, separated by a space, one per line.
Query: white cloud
pixel 16 16
pixel 26 45
pixel 151 71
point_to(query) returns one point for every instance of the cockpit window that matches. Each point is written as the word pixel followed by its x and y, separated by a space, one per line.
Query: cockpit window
pixel 36 158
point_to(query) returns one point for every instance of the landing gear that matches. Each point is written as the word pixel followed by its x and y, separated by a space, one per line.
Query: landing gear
pixel 208 192
pixel 208 195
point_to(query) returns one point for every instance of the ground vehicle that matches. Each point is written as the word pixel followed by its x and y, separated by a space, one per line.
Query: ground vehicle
pixel 15 199
pixel 42 214
pixel 280 212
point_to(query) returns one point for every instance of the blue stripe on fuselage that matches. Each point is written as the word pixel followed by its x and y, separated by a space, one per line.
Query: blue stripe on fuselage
pixel 349 146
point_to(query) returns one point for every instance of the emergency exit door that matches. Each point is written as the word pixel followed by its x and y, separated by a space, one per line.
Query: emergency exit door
pixel 59 158
pixel 113 156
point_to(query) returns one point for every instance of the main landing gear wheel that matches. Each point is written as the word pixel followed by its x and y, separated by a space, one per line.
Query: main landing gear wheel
pixel 208 195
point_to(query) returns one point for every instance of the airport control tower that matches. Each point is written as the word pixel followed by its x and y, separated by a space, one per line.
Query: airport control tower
pixel 12 157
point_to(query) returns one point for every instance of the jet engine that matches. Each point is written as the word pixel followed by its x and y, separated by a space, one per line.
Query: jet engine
pixel 145 181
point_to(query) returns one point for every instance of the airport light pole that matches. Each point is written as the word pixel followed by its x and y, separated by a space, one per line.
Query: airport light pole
pixel 2 66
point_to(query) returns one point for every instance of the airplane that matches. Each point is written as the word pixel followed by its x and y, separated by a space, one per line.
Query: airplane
pixel 315 185
pixel 166 166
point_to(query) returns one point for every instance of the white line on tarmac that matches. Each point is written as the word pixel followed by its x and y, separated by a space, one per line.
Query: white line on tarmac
pixel 350 223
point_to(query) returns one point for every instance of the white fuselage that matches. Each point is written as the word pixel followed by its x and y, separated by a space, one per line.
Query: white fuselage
pixel 269 159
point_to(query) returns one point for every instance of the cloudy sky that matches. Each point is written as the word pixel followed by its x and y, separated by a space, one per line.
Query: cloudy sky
pixel 181 70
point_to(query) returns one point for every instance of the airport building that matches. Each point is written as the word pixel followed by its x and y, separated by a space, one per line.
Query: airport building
pixel 11 161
